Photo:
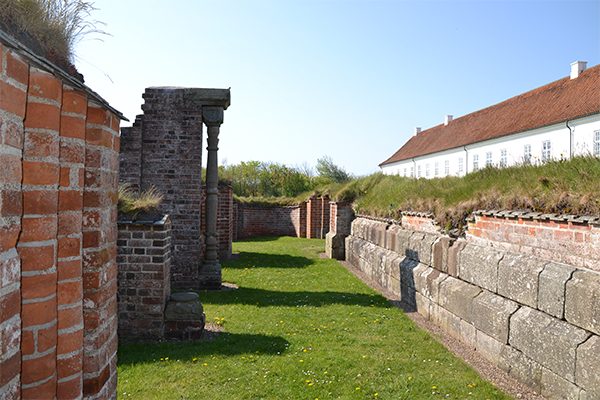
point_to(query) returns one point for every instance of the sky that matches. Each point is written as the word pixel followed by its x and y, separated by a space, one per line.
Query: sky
pixel 349 79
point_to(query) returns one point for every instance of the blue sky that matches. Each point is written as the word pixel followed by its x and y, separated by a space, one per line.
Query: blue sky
pixel 349 79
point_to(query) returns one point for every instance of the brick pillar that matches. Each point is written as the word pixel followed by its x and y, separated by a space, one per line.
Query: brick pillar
pixel 144 277
pixel 38 244
pixel 313 217
pixel 99 253
pixel 302 220
pixel 70 205
pixel 14 76
pixel 341 217
pixel 324 216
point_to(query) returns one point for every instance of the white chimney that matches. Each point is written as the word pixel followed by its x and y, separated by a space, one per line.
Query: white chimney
pixel 447 119
pixel 417 130
pixel 577 68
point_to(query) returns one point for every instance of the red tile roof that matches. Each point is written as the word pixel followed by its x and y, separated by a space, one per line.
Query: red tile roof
pixel 556 102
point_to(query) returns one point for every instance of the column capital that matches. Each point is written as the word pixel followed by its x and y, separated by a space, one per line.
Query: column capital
pixel 212 116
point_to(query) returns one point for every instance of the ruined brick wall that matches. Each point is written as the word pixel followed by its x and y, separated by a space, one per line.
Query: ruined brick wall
pixel 535 318
pixel 130 158
pixel 144 258
pixel 257 220
pixel 341 216
pixel 569 239
pixel 58 184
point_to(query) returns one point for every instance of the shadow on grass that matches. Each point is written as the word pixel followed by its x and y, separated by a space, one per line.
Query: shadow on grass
pixel 225 343
pixel 258 239
pixel 267 260
pixel 273 298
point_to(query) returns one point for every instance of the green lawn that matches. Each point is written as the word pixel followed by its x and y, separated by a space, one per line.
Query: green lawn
pixel 299 327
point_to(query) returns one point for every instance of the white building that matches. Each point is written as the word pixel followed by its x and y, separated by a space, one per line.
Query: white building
pixel 558 120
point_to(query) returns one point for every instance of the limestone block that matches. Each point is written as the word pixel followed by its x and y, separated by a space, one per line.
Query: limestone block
pixel 551 291
pixel 588 367
pixel 491 314
pixel 521 367
pixel 548 341
pixel 439 257
pixel 428 282
pixel 457 297
pixel 391 237
pixel 420 247
pixel 446 320
pixel 453 257
pixel 582 301
pixel 518 278
pixel 423 304
pixel 468 334
pixel 479 265
pixel 554 387
pixel 488 347
pixel 401 243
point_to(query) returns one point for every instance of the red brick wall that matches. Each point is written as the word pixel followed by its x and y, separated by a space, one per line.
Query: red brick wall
pixel 256 220
pixel 574 243
pixel 57 237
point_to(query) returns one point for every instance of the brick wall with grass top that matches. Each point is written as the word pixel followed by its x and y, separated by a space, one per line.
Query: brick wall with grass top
pixel 533 314
pixel 59 145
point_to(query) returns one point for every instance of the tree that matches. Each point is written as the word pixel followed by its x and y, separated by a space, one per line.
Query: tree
pixel 327 170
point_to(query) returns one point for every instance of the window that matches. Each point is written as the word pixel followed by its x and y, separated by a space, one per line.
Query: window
pixel 412 171
pixel 597 143
pixel 527 154
pixel 436 169
pixel 418 171
pixel 404 172
pixel 488 159
pixel 461 165
pixel 446 167
pixel 546 151
pixel 503 158
pixel 427 170
pixel 475 162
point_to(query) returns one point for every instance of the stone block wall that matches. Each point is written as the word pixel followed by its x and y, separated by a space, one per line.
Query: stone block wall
pixel 59 145
pixel 144 259
pixel 566 238
pixel 537 319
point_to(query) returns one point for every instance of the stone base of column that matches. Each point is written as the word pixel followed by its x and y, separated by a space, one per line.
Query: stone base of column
pixel 210 276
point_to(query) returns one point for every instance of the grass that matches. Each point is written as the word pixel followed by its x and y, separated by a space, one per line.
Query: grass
pixel 53 25
pixel 299 327
pixel 133 203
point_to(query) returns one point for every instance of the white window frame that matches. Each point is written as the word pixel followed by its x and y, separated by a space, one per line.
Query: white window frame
pixel 436 169
pixel 412 171
pixel 597 143
pixel 419 171
pixel 461 165
pixel 503 158
pixel 489 160
pixel 527 154
pixel 404 175
pixel 446 167
pixel 427 170
pixel 475 162
pixel 546 150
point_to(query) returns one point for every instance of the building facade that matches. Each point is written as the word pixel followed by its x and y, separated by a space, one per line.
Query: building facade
pixel 556 121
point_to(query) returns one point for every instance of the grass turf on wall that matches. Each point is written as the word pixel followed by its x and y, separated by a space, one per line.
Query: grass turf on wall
pixel 299 327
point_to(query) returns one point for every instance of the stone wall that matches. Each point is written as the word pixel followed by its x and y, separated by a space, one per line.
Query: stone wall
pixel 59 145
pixel 144 258
pixel 536 319
pixel 341 216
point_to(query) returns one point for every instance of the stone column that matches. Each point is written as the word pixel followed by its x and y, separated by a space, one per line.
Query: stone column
pixel 211 269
